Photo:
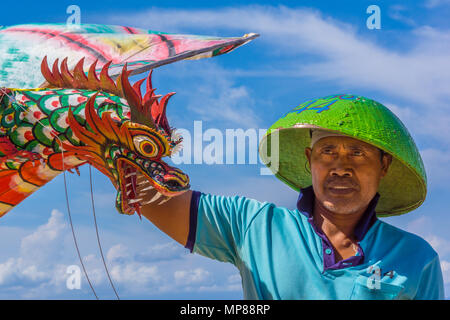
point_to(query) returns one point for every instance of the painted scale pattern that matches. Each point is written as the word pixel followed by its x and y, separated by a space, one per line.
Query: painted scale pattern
pixel 31 130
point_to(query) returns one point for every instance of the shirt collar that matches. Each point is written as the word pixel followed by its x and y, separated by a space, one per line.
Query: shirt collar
pixel 305 205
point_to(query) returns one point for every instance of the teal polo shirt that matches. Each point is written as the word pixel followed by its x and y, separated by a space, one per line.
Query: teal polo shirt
pixel 280 253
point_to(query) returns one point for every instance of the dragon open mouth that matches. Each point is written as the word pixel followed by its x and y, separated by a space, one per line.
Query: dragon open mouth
pixel 137 179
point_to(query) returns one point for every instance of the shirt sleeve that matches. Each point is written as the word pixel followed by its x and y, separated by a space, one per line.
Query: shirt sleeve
pixel 431 286
pixel 218 224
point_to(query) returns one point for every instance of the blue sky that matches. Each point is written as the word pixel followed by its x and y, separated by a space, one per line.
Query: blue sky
pixel 306 49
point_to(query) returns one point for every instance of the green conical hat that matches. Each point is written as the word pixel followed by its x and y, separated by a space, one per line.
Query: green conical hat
pixel 404 187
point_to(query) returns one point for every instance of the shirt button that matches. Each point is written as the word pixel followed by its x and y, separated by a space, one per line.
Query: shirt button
pixel 328 251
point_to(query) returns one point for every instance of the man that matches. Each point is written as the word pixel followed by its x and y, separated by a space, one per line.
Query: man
pixel 352 160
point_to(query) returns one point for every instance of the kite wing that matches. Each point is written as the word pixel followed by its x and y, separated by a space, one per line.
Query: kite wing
pixel 22 48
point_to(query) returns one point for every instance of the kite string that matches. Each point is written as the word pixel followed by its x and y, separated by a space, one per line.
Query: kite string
pixel 66 193
pixel 98 237
pixel 71 225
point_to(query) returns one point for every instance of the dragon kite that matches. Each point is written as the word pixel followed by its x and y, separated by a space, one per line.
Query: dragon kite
pixel 86 119
pixel 91 113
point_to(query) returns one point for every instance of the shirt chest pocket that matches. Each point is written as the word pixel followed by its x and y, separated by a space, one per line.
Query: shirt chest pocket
pixel 366 288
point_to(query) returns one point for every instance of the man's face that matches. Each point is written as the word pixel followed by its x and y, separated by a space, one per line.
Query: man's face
pixel 346 173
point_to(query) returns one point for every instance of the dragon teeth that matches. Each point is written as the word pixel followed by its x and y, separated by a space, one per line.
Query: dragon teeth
pixel 141 178
pixel 130 174
pixel 134 200
pixel 156 197
pixel 147 188
pixel 143 181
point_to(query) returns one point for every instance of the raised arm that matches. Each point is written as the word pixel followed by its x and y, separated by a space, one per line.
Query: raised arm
pixel 171 216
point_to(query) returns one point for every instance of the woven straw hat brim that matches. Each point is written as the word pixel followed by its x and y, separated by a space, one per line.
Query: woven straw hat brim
pixel 402 190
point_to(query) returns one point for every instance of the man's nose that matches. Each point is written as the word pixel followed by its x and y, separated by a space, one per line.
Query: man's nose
pixel 342 166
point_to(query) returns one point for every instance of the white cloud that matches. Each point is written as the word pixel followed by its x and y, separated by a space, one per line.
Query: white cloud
pixel 136 274
pixel 232 283
pixel 45 243
pixel 38 253
pixel 7 270
pixel 347 58
pixel 117 252
pixel 190 277
pixel 161 252
pixel 39 269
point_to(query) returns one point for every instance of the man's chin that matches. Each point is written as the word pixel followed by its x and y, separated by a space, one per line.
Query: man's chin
pixel 337 207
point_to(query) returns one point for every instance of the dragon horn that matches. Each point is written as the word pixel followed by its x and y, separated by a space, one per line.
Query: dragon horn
pixel 134 99
pixel 65 73
pixel 46 72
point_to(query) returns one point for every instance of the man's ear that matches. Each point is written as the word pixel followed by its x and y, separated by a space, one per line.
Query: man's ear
pixel 386 162
pixel 308 152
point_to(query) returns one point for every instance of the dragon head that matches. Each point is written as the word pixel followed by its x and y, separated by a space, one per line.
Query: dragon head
pixel 128 148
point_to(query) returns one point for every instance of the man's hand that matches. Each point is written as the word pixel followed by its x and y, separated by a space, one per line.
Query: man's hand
pixel 169 215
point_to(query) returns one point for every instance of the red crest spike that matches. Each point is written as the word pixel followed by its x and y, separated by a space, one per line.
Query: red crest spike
pixel 147 110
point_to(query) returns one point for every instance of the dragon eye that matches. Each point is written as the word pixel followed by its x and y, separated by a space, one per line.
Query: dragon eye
pixel 145 146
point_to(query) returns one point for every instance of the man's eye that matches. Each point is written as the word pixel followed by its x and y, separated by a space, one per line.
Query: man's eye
pixel 357 153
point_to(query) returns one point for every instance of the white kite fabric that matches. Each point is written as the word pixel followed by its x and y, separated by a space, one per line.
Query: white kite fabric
pixel 23 47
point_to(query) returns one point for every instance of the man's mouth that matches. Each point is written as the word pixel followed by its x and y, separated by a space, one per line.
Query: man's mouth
pixel 341 186
pixel 341 190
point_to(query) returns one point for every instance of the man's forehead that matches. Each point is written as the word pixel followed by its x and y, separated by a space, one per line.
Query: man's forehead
pixel 341 140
